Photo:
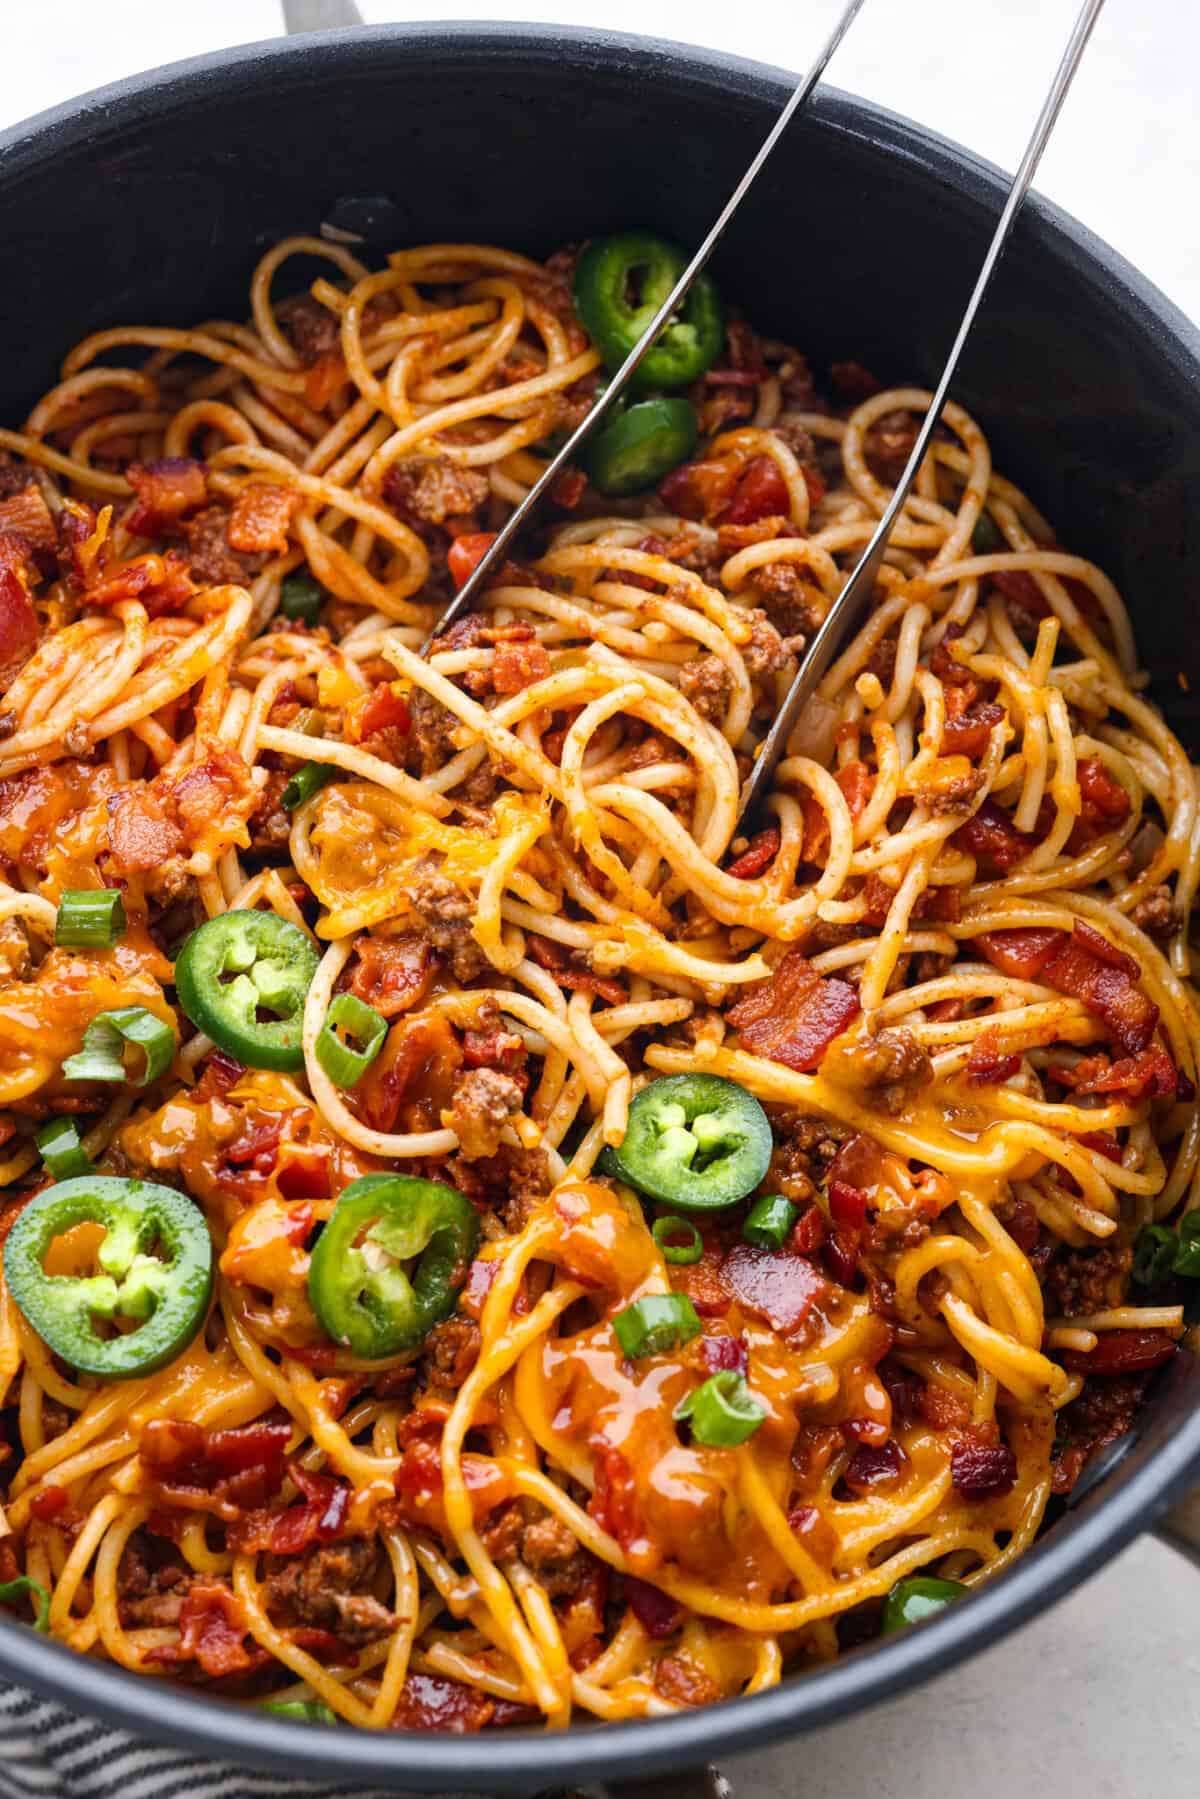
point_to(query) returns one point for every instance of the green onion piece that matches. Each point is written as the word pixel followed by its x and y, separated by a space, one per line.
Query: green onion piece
pixel 664 1230
pixel 987 538
pixel 1154 1255
pixel 1187 1252
pixel 305 782
pixel 342 1062
pixel 655 1324
pixel 300 597
pixel 91 918
pixel 61 1150
pixel 12 1590
pixel 308 1711
pixel 723 1412
pixel 102 1057
pixel 769 1221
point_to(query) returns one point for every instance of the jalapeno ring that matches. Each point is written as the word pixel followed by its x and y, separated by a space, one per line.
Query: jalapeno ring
pixel 235 969
pixel 693 1140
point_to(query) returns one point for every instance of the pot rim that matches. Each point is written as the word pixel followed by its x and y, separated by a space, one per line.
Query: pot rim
pixel 1129 1501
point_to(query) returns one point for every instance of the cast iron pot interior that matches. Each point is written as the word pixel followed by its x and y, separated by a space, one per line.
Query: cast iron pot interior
pixel 150 202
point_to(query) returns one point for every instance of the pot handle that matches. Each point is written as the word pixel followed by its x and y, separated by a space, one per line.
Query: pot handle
pixel 1180 1527
pixel 681 1783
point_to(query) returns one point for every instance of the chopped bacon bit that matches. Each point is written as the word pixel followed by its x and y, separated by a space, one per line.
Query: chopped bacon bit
pixel 968 735
pixel 466 553
pixel 614 1502
pixel 18 620
pixel 26 515
pixel 701 1282
pixel 432 1702
pixel 1085 966
pixel 222 1471
pixel 795 1015
pixel 221 1073
pixel 988 1065
pixel 982 1470
pixel 701 489
pixel 418 1484
pixel 1105 802
pixel 569 488
pixel 140 835
pixel 212 1633
pixel 722 1355
pixel 516 666
pixel 809 1233
pixel 300 1220
pixel 760 491
pixel 658 1614
pixel 553 956
pixel 856 781
pixel 324 378
pixel 758 855
pixel 478 1285
pixel 162 583
pixel 49 1503
pixel 777 1285
pixel 167 490
pixel 993 839
pixel 848 1212
pixel 939 1408
pixel 1023 953
pixel 260 518
pixel 495 1048
pixel 320 1519
pixel 1150 1074
pixel 874 1465
pixel 941 903
pixel 1122 1352
pixel 393 974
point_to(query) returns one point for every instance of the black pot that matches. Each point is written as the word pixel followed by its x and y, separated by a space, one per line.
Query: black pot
pixel 150 201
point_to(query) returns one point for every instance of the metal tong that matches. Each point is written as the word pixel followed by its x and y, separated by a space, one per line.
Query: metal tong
pixel 852 604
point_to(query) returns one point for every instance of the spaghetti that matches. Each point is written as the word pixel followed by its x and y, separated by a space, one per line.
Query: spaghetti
pixel 626 1460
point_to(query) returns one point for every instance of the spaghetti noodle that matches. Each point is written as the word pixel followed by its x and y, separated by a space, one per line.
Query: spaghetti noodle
pixel 952 967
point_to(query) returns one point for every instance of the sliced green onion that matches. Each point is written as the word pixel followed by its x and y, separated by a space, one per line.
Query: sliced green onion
pixel 1187 1249
pixel 722 1412
pixel 12 1590
pixel 308 1711
pixel 666 1230
pixel 300 597
pixel 305 782
pixel 769 1221
pixel 916 1598
pixel 1154 1255
pixel 61 1150
pixel 90 918
pixel 987 538
pixel 342 1062
pixel 656 1324
pixel 102 1057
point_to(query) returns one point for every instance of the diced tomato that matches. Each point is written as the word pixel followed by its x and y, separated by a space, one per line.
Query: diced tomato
pixel 993 839
pixel 760 492
pixel 466 553
pixel 1122 1352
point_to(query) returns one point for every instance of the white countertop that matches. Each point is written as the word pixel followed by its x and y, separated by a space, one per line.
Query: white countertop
pixel 1097 1700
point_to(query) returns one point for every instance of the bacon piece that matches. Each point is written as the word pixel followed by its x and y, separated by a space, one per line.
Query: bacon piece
pixel 1150 1074
pixel 466 553
pixel 26 516
pixel 393 974
pixel 982 1470
pixel 324 378
pixel 167 490
pixel 725 1354
pixel 761 490
pixel 161 583
pixel 212 1633
pixel 260 518
pixel 993 839
pixel 379 710
pixel 795 1015
pixel 18 620
pixel 1105 802
pixel 432 1702
pixel 518 665
pixel 478 1284
pixel 50 1503
pixel 320 1519
pixel 658 1614
pixel 701 489
pixel 223 1471
pixel 988 1065
pixel 809 1233
pixel 419 1485
pixel 221 1073
pixel 551 955
pixel 568 489
pixel 874 1465
pixel 848 1212
pixel 495 1048
pixel 757 856
pixel 1022 953
pixel 856 781
pixel 777 1285
pixel 140 835
pixel 614 1502
pixel 941 903
pixel 968 735
pixel 1122 1352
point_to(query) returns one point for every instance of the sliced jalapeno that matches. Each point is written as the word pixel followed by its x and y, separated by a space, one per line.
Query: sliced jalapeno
pixel 641 446
pixel 916 1597
pixel 693 1140
pixel 619 286
pixel 154 1274
pixel 242 978
pixel 389 1263
pixel 305 1711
